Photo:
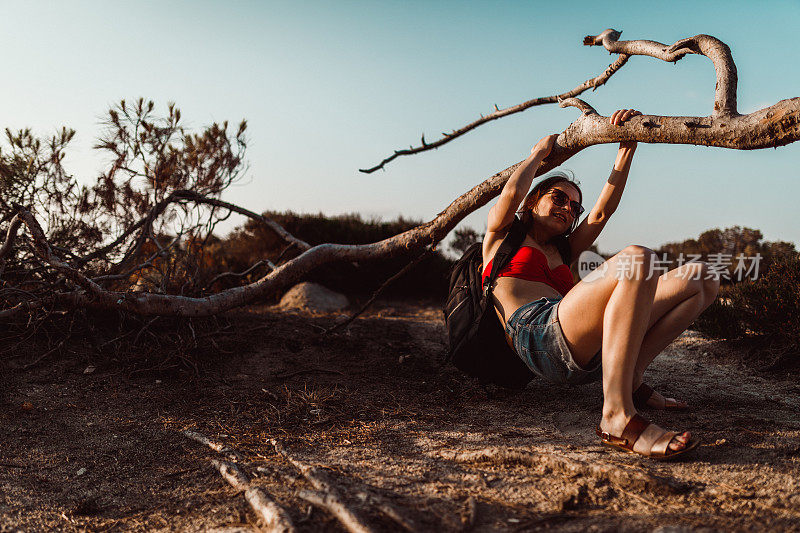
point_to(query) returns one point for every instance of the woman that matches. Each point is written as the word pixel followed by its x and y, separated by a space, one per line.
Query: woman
pixel 622 307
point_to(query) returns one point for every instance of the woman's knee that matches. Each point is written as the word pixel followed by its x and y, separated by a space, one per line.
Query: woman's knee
pixel 637 249
pixel 701 279
pixel 636 262
pixel 710 283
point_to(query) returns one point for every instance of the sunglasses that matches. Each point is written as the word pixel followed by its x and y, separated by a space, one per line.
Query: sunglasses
pixel 560 199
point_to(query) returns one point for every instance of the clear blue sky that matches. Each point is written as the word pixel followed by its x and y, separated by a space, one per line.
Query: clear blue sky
pixel 330 87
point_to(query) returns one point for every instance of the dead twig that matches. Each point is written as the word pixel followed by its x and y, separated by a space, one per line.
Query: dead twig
pixel 44 355
pixel 218 277
pixel 144 328
pixel 380 289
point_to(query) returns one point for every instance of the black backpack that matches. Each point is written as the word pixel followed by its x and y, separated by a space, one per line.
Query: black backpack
pixel 478 344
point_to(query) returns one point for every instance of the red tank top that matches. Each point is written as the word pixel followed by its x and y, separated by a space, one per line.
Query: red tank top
pixel 530 263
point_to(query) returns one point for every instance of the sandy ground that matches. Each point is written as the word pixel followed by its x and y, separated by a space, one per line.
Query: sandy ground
pixel 373 407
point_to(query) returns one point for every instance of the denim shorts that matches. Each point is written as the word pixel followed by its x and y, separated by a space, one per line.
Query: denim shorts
pixel 539 341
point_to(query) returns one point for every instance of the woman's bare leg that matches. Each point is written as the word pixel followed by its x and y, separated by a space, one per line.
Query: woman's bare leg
pixel 612 308
pixel 682 294
pixel 624 326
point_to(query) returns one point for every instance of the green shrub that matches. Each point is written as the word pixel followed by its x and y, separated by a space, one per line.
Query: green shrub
pixel 767 308
pixel 720 319
pixel 770 305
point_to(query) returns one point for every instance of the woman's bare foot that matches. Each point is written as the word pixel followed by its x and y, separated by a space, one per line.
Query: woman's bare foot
pixel 657 401
pixel 644 395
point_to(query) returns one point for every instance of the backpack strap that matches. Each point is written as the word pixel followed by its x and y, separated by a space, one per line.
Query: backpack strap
pixel 509 246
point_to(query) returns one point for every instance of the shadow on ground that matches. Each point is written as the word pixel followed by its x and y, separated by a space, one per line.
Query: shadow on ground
pixel 374 406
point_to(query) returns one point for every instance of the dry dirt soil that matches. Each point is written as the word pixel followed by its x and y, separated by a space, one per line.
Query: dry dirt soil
pixel 375 410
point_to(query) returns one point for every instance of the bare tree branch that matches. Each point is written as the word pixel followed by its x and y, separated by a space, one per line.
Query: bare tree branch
pixel 271 224
pixel 592 83
pixel 711 47
pixel 44 252
pixel 11 234
pixel 717 51
pixel 770 127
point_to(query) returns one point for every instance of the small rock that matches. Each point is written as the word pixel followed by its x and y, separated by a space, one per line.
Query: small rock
pixel 89 369
pixel 80 472
pixel 313 297
pixel 27 406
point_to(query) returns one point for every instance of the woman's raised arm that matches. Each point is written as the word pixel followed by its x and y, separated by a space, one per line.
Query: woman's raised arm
pixel 608 200
pixel 502 213
pixel 610 196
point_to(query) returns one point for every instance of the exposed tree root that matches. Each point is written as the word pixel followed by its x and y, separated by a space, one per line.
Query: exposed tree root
pixel 217 446
pixel 332 502
pixel 387 509
pixel 329 497
pixel 275 519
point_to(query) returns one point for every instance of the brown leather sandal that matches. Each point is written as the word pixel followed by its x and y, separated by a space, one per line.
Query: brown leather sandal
pixel 645 391
pixel 657 446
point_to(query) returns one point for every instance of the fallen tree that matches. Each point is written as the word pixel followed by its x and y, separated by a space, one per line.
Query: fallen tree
pixel 181 200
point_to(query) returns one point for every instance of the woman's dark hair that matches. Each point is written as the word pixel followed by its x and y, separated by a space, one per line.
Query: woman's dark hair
pixel 533 197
